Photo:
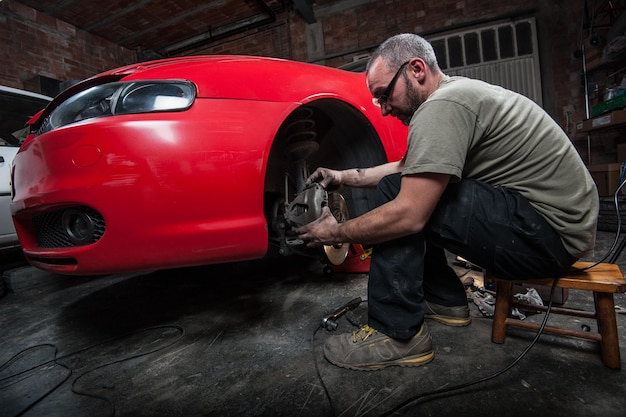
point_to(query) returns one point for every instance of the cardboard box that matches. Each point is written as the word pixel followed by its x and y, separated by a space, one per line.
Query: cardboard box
pixel 616 117
pixel 606 177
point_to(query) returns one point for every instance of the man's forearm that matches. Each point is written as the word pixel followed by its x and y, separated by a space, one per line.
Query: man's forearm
pixel 369 177
pixel 376 226
pixel 406 214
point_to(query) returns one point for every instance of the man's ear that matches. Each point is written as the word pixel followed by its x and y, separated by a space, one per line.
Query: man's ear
pixel 417 69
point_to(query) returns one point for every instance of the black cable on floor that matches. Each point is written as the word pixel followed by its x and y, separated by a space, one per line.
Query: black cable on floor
pixel 451 389
pixel 480 380
pixel 543 324
pixel 73 388
pixel 447 390
pixel 23 352
pixel 319 375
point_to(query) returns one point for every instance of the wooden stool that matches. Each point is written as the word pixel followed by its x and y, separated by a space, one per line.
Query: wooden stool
pixel 604 280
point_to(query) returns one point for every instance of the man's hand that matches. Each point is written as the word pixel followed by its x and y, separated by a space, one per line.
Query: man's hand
pixel 322 231
pixel 327 178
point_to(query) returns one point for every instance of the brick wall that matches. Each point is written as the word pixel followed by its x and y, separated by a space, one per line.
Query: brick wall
pixel 351 28
pixel 34 45
pixel 272 40
pixel 37 45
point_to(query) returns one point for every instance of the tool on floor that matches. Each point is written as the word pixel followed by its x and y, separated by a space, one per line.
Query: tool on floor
pixel 330 322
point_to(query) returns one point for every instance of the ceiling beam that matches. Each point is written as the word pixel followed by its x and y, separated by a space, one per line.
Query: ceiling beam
pixel 221 32
pixel 121 12
pixel 168 22
pixel 59 6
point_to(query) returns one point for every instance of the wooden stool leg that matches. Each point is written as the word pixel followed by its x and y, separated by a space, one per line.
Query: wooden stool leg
pixel 607 327
pixel 504 298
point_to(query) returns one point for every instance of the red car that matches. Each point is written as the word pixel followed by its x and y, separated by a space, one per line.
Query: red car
pixel 192 160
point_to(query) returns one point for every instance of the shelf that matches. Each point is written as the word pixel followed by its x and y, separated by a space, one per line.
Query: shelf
pixel 615 118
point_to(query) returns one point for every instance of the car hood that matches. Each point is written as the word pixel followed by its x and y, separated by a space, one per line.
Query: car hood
pixel 236 77
pixel 247 77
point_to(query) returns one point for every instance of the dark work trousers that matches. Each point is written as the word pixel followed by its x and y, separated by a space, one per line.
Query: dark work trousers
pixel 493 227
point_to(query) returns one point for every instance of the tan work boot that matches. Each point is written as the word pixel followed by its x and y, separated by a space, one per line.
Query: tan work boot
pixel 367 349
pixel 452 316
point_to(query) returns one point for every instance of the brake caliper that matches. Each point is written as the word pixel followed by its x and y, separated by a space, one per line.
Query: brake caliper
pixel 307 206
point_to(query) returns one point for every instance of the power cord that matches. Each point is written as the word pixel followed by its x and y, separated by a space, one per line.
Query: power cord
pixel 618 229
pixel 422 396
pixel 483 379
pixel 74 389
pixel 619 217
pixel 319 375
pixel 23 352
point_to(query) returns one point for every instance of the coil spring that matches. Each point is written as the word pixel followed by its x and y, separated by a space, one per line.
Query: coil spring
pixel 301 134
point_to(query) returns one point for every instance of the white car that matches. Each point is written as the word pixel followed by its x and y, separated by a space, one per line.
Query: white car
pixel 16 107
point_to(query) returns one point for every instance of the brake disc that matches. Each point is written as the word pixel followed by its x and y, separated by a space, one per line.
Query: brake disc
pixel 336 254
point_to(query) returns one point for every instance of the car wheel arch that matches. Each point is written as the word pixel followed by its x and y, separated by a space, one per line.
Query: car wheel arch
pixel 345 139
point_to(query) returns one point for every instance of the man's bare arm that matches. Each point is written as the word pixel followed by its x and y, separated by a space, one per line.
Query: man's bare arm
pixel 356 177
pixel 407 214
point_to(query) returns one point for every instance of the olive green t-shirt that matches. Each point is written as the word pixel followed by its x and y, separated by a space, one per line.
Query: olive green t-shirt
pixel 470 129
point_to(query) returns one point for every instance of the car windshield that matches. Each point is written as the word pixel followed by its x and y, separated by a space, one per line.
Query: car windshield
pixel 16 107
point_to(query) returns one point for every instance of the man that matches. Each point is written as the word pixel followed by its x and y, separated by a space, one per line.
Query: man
pixel 487 175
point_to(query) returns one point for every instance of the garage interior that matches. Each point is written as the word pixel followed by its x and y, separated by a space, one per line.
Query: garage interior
pixel 245 338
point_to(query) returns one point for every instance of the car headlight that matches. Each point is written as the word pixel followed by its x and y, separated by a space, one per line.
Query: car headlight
pixel 121 98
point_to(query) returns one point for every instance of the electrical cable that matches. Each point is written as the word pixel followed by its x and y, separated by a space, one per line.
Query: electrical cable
pixel 612 250
pixel 543 323
pixel 618 215
pixel 415 398
pixel 319 375
pixel 483 379
pixel 457 387
pixel 70 371
pixel 17 356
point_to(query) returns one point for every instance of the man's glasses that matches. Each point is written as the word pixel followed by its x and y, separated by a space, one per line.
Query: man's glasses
pixel 380 101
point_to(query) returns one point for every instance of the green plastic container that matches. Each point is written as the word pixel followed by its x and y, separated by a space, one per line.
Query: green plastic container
pixel 606 106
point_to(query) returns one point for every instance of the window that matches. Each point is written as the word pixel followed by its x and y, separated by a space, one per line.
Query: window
pixel 502 53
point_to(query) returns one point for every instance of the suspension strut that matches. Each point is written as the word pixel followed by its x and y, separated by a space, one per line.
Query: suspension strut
pixel 301 144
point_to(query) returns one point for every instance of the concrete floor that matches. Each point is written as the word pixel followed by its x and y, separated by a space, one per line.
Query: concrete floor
pixel 239 340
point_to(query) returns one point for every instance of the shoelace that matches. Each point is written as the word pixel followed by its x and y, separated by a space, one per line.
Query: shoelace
pixel 363 333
